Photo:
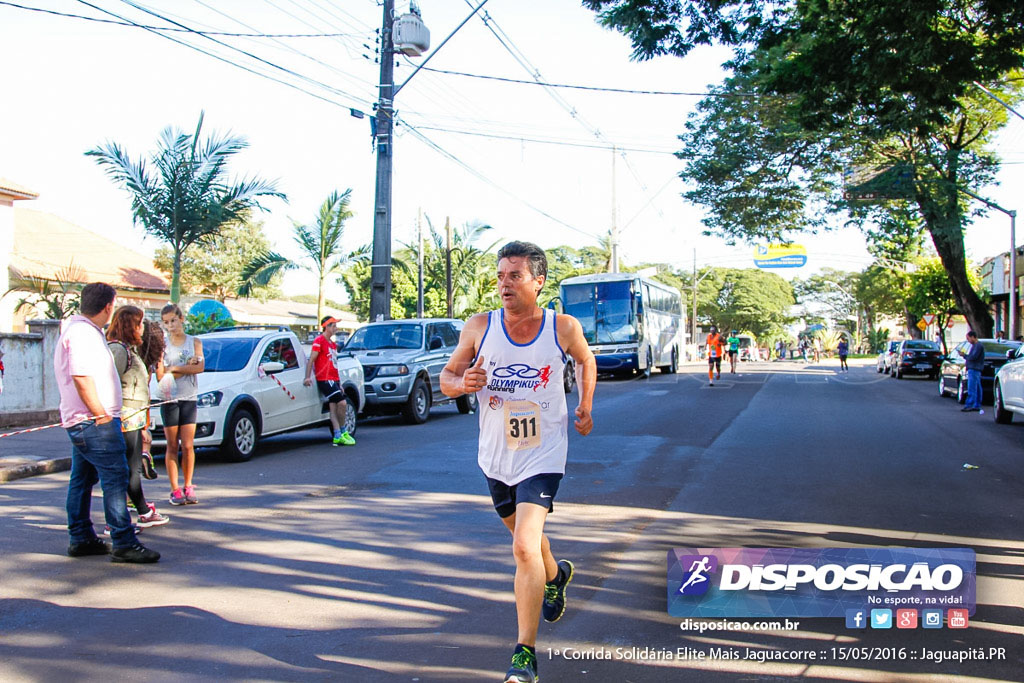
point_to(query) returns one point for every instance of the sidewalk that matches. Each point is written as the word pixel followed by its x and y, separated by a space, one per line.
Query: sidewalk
pixel 27 455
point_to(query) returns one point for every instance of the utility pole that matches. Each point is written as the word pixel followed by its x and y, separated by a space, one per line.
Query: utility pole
pixel 1012 213
pixel 448 263
pixel 380 271
pixel 615 223
pixel 419 263
pixel 694 319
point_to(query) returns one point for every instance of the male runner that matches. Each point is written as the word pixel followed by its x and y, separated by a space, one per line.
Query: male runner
pixel 322 360
pixel 714 346
pixel 508 356
pixel 734 350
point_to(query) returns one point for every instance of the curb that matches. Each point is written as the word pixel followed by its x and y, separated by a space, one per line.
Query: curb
pixel 32 469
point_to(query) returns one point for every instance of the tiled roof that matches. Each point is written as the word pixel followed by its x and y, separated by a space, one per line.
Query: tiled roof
pixel 15 190
pixel 45 244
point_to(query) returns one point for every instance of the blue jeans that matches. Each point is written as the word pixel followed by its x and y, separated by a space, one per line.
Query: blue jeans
pixel 973 389
pixel 98 454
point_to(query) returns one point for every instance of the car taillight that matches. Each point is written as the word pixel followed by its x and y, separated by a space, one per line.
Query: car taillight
pixel 908 354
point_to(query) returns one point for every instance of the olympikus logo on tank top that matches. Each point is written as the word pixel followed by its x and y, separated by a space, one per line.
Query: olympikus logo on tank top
pixel 523 415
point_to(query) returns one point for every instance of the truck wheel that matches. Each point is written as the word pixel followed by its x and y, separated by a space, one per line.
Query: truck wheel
pixel 569 377
pixel 467 403
pixel 240 435
pixel 417 408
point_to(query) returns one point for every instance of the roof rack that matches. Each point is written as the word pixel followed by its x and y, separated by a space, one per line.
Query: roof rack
pixel 279 328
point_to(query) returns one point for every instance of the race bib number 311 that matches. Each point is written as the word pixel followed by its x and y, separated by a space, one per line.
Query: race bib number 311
pixel 522 425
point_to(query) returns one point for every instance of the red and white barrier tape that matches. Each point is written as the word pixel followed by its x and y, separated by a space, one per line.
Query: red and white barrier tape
pixel 263 373
pixel 85 419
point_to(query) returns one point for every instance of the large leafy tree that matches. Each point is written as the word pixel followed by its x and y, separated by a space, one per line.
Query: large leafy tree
pixel 320 243
pixel 747 299
pixel 871 82
pixel 929 291
pixel 835 290
pixel 215 267
pixel 186 198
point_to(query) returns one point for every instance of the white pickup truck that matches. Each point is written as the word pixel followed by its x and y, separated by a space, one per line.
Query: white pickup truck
pixel 240 401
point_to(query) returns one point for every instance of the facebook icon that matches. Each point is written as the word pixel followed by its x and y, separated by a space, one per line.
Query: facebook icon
pixel 855 618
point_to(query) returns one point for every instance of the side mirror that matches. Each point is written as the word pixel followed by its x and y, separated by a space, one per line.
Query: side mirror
pixel 271 367
pixel 435 343
pixel 1011 354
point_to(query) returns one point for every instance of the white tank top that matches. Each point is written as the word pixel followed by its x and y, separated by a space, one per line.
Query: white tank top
pixel 523 416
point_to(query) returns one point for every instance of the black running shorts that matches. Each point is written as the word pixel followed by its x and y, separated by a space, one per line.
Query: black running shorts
pixel 539 489
pixel 178 414
pixel 330 390
pixel 715 362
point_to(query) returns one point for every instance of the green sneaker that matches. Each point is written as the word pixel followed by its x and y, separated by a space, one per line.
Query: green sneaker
pixel 345 440
pixel 524 667
pixel 554 593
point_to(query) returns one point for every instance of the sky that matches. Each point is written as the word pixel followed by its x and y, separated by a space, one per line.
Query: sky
pixel 467 149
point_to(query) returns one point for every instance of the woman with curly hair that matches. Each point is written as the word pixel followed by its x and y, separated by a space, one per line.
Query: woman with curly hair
pixel 152 353
pixel 124 337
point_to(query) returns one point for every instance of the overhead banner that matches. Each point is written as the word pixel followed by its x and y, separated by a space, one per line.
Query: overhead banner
pixel 780 256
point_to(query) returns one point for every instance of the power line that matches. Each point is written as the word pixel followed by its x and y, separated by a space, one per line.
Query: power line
pixel 309 80
pixel 595 88
pixel 180 30
pixel 562 143
pixel 436 147
pixel 217 57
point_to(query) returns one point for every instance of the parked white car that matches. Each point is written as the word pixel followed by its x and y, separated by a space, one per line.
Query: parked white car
pixel 1008 388
pixel 240 401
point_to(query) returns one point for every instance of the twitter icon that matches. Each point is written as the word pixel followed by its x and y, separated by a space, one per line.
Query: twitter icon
pixel 881 618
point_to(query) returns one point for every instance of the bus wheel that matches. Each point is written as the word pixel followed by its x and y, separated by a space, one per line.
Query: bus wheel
pixel 673 367
pixel 650 364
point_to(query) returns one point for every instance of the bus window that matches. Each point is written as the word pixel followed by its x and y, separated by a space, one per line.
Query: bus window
pixel 604 309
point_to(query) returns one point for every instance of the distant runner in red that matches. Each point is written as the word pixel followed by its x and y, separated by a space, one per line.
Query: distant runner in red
pixel 322 360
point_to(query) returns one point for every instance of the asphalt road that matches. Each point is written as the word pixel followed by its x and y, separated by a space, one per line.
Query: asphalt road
pixel 385 562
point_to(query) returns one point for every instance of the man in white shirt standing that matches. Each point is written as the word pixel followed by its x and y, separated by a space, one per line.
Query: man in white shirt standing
pixel 90 411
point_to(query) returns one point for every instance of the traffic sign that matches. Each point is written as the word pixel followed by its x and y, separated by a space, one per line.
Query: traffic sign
pixel 922 325
pixel 928 318
pixel 949 324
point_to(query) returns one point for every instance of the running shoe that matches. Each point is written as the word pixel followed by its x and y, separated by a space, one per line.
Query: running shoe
pixel 178 497
pixel 148 471
pixel 130 504
pixel 93 546
pixel 190 495
pixel 524 667
pixel 152 518
pixel 554 592
pixel 345 440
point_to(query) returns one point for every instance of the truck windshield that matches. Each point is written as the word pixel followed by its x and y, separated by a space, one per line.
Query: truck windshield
pixel 604 309
pixel 227 354
pixel 397 336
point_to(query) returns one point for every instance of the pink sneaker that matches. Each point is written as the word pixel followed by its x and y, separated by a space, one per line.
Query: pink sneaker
pixel 177 497
pixel 190 495
pixel 152 518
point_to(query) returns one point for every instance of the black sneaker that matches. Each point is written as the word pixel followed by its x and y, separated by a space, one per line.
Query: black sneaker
pixel 554 593
pixel 148 471
pixel 524 667
pixel 93 546
pixel 136 554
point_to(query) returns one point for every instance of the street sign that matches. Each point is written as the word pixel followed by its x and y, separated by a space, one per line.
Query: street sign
pixel 949 325
pixel 922 325
pixel 928 318
pixel 879 183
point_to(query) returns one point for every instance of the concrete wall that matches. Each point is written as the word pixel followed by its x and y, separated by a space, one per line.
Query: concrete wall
pixel 30 393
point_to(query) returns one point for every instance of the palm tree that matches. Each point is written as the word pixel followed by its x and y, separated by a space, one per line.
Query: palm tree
pixel 188 199
pixel 320 242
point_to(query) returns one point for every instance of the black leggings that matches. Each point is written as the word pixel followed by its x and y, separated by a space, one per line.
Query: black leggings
pixel 133 452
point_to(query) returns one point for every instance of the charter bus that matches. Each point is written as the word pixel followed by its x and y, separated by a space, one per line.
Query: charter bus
pixel 632 323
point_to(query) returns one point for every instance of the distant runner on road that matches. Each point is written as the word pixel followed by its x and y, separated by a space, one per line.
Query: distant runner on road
pixel 734 350
pixel 714 346
pixel 508 356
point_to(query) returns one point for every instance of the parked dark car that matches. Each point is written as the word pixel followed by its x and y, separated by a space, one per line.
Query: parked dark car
pixel 953 376
pixel 917 357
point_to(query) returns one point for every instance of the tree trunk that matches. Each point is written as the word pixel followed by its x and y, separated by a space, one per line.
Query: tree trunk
pixel 912 319
pixel 176 276
pixel 321 299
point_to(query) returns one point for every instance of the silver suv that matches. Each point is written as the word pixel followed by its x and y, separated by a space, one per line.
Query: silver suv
pixel 402 363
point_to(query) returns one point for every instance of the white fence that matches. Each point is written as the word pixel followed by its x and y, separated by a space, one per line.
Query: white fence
pixel 30 394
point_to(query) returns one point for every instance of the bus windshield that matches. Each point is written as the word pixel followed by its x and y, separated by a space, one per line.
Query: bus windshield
pixel 604 309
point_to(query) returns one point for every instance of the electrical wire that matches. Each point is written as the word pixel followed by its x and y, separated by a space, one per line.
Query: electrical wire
pixel 218 57
pixel 441 150
pixel 180 30
pixel 562 143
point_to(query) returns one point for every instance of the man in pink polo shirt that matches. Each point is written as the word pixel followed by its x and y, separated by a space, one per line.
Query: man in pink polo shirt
pixel 90 411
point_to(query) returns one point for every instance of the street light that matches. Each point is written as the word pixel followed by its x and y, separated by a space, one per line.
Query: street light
pixel 380 271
